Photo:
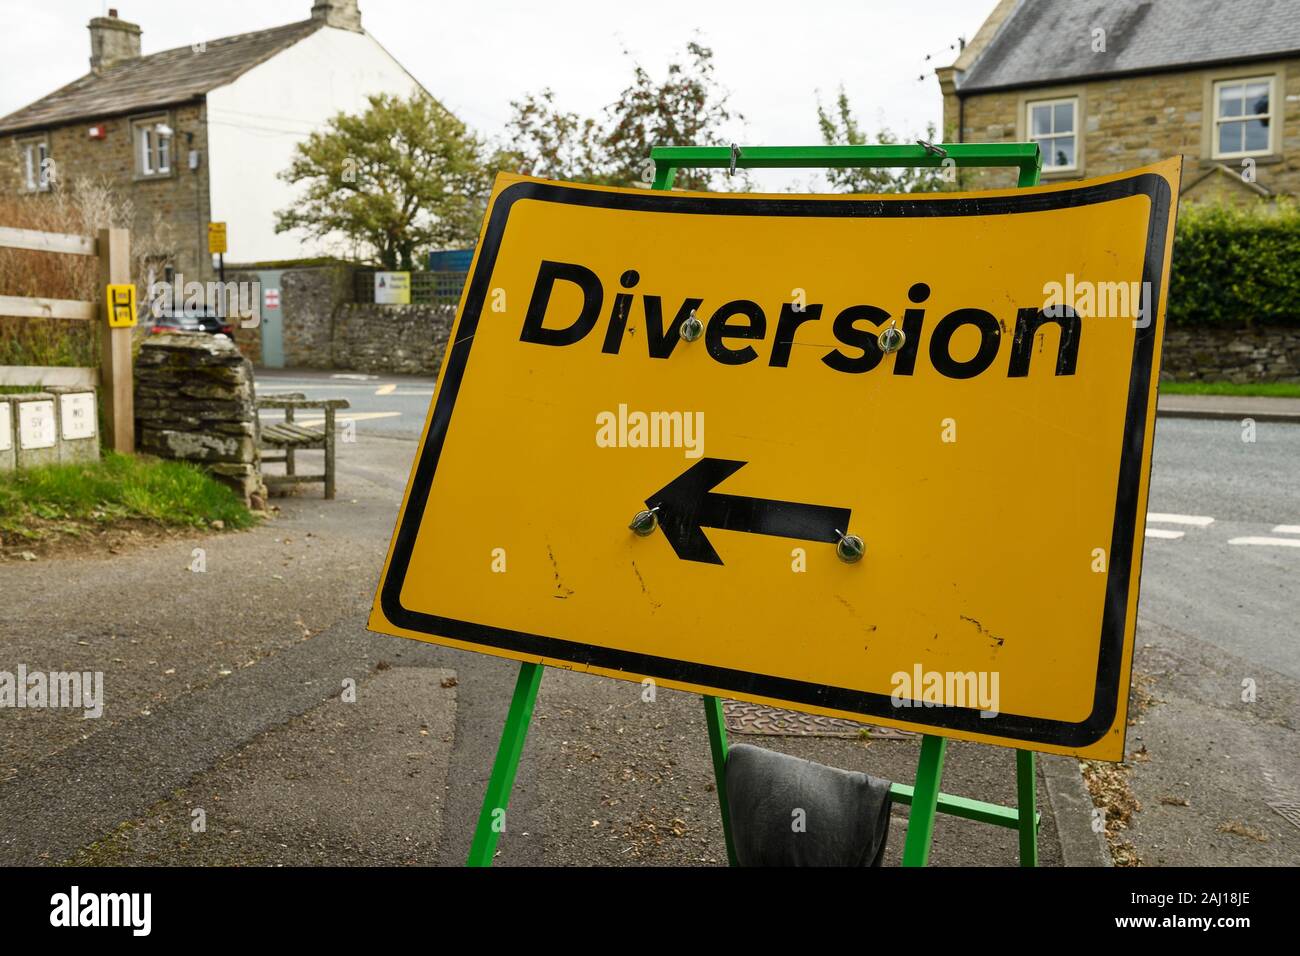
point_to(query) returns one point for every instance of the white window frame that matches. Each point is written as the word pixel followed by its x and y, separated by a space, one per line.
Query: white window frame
pixel 35 152
pixel 1217 121
pixel 153 151
pixel 1074 130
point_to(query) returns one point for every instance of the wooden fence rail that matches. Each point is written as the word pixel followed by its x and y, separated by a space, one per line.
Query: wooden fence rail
pixel 113 248
pixel 11 238
pixel 35 308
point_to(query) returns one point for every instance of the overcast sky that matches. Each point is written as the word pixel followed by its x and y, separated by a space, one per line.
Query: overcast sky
pixel 478 55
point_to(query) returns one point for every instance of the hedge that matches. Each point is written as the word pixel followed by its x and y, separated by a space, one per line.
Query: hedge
pixel 1234 266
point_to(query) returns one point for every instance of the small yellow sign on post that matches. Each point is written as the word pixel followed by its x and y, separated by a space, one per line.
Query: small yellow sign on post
pixel 120 302
pixel 216 238
pixel 877 457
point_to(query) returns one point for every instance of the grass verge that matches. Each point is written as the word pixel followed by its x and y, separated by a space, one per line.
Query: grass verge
pixel 1263 389
pixel 61 500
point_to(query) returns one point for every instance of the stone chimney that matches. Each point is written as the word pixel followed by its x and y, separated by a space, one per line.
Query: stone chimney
pixel 342 14
pixel 112 41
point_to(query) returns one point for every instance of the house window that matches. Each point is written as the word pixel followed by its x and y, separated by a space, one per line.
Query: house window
pixel 1052 125
pixel 153 146
pixel 37 167
pixel 1242 110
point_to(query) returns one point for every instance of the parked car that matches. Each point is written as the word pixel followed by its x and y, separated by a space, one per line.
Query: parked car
pixel 209 322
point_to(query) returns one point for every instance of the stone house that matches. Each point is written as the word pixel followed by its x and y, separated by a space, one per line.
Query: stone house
pixel 1107 85
pixel 199 134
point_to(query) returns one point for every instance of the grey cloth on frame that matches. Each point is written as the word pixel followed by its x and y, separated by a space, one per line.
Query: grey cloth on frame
pixel 786 811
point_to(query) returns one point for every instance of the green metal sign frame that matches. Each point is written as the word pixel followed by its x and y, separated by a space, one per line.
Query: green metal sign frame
pixel 924 797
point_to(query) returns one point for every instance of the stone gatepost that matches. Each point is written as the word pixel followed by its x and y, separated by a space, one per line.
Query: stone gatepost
pixel 194 402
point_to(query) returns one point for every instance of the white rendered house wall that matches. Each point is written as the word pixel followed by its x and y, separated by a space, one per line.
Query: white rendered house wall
pixel 255 122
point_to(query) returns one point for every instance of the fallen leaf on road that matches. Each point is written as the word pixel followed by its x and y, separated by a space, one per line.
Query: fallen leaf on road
pixel 1240 829
pixel 1175 801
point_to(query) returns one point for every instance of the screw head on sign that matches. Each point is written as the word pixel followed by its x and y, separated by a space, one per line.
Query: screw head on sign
pixel 891 340
pixel 850 548
pixel 645 522
pixel 692 328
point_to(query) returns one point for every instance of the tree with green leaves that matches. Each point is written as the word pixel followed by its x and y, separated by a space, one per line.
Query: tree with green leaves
pixel 689 107
pixel 549 142
pixel 839 127
pixel 404 176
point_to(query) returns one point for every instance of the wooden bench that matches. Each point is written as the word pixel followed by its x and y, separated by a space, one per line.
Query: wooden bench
pixel 290 437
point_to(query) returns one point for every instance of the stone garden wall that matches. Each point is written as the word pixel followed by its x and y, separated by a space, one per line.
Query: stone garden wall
pixel 310 298
pixel 194 402
pixel 1211 354
pixel 324 328
pixel 400 339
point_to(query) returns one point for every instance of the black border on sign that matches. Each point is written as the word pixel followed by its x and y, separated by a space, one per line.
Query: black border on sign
pixel 1012 726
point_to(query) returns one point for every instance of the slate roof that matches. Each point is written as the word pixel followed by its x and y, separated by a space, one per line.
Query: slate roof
pixel 1045 41
pixel 159 79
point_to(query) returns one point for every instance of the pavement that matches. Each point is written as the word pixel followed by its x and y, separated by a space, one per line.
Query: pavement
pixel 1231 407
pixel 283 732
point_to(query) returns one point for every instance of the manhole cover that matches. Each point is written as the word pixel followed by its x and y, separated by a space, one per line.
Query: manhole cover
pixel 743 717
pixel 1289 812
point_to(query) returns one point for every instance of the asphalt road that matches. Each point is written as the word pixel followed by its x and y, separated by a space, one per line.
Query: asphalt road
pixel 1233 581
pixel 393 406
pixel 1214 760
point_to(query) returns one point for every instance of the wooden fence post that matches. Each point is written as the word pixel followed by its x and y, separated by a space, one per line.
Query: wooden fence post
pixel 116 388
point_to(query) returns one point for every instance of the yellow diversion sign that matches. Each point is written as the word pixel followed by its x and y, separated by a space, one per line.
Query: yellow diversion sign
pixel 885 457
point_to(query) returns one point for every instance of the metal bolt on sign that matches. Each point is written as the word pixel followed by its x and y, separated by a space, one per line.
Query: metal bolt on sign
pixel 645 522
pixel 850 547
pixel 891 339
pixel 692 328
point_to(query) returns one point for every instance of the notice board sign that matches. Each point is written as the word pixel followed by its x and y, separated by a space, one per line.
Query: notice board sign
pixel 392 288
pixel 993 458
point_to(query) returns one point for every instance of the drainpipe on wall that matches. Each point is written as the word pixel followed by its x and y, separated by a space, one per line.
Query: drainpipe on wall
pixel 191 160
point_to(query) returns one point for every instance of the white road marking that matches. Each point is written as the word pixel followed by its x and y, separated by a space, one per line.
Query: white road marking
pixel 1286 529
pixel 1162 533
pixel 342 416
pixel 386 389
pixel 282 386
pixel 1200 521
pixel 1283 542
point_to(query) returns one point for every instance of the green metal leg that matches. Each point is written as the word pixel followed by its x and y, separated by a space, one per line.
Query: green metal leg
pixel 718 747
pixel 491 820
pixel 1027 804
pixel 925 801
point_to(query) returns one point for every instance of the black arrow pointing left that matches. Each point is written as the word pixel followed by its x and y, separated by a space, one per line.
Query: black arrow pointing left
pixel 688 504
